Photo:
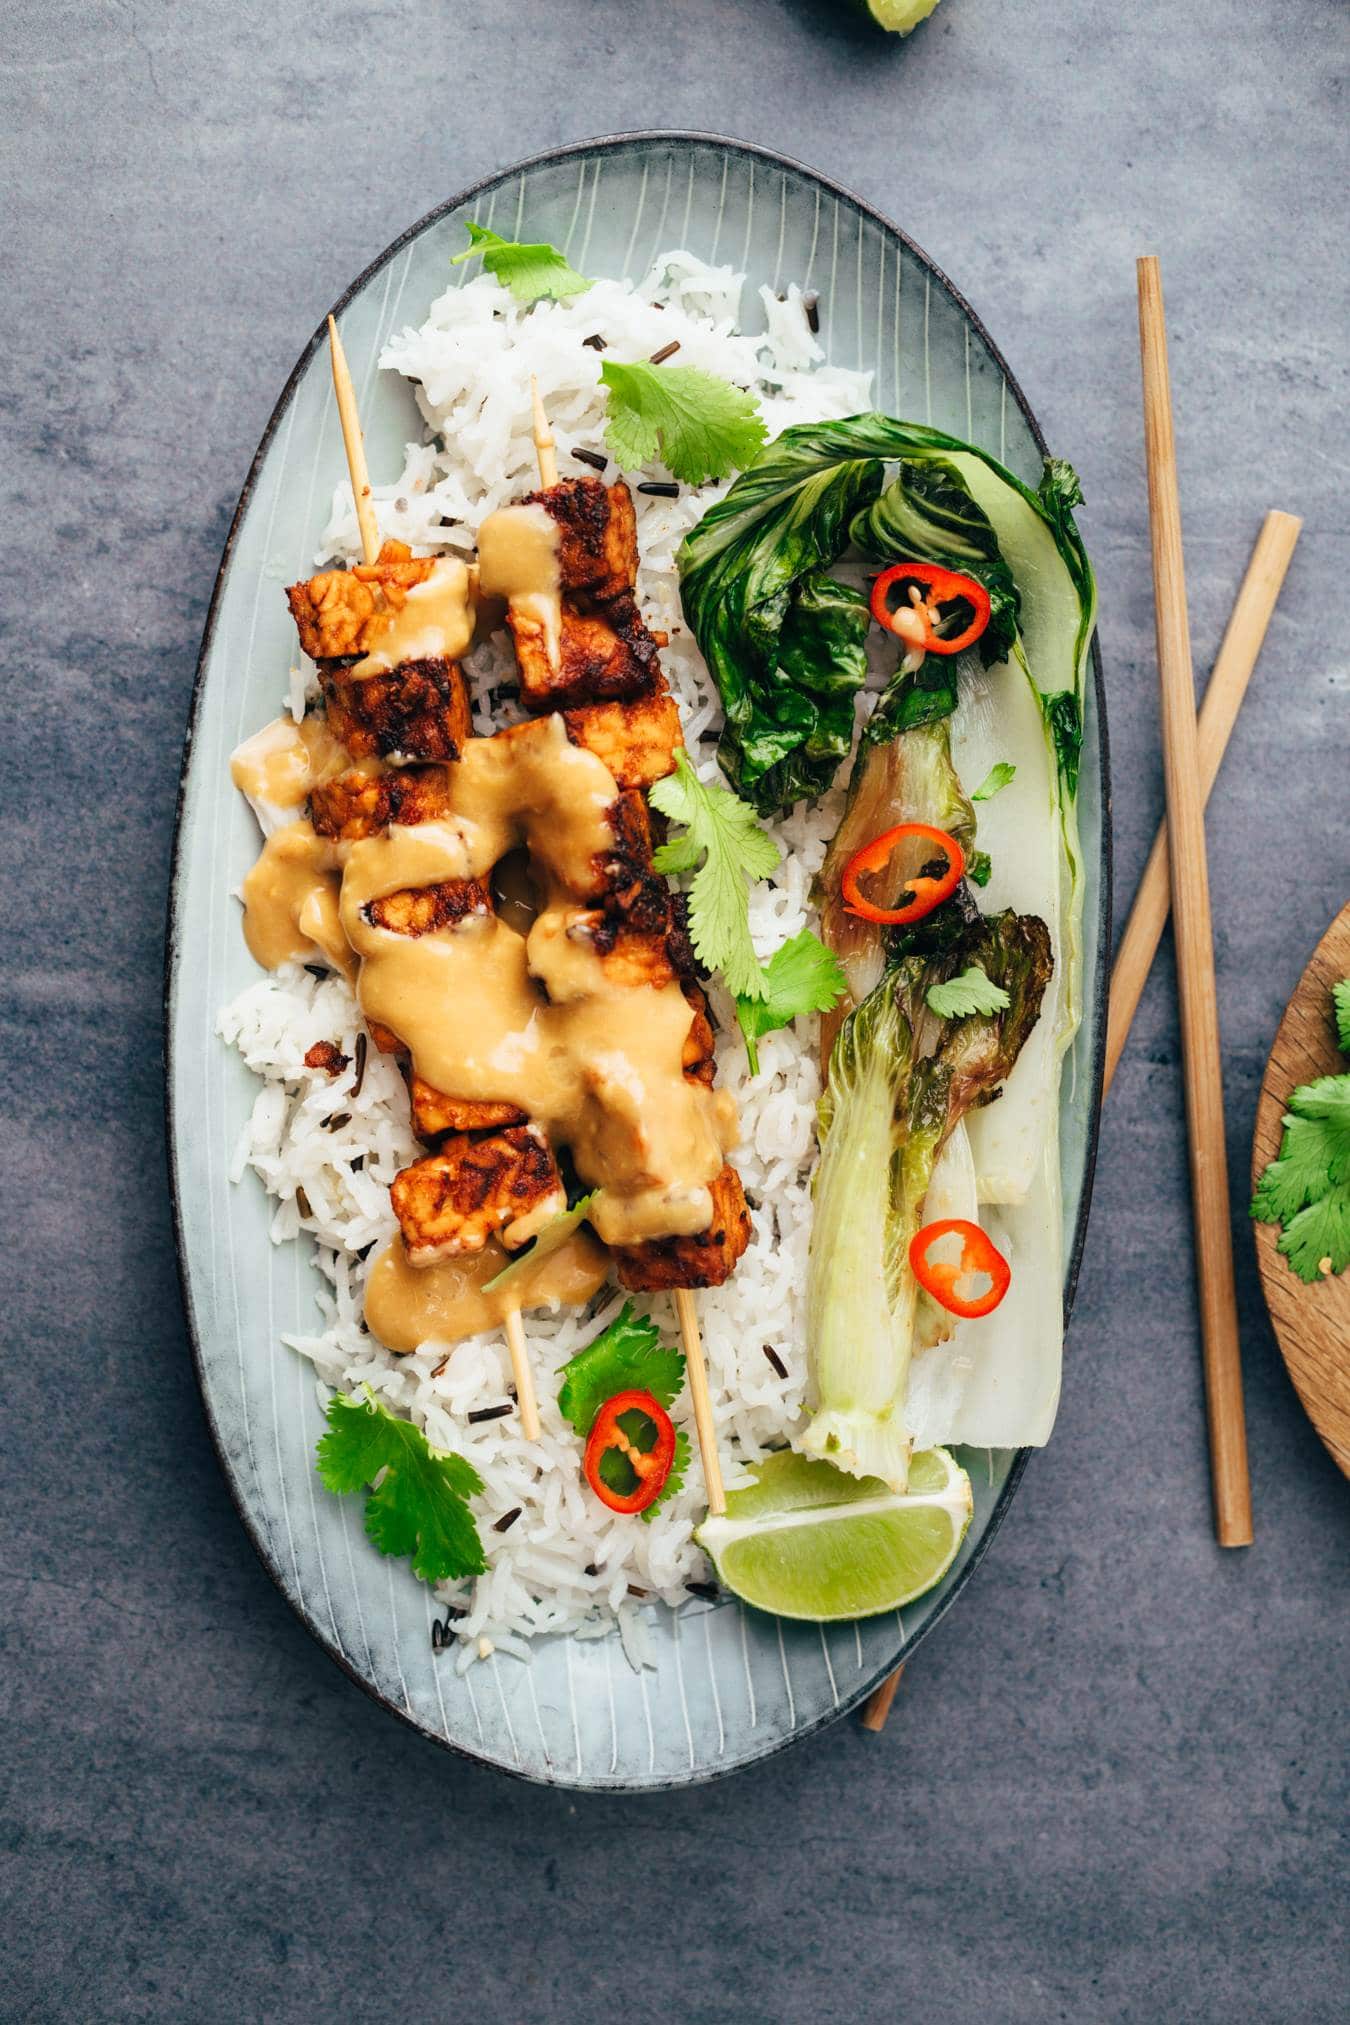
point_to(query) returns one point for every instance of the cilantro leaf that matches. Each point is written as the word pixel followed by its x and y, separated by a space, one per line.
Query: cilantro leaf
pixel 1340 999
pixel 801 977
pixel 420 1505
pixel 997 778
pixel 1306 1188
pixel 531 272
pixel 674 1483
pixel 722 830
pixel 972 992
pixel 702 427
pixel 551 1238
pixel 627 1356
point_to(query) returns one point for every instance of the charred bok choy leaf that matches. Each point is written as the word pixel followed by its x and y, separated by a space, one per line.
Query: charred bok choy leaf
pixel 899 1085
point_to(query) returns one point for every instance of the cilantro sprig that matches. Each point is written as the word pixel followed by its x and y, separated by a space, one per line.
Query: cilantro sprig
pixel 970 993
pixel 1306 1188
pixel 801 977
pixel 416 1497
pixel 701 427
pixel 725 848
pixel 628 1356
pixel 533 272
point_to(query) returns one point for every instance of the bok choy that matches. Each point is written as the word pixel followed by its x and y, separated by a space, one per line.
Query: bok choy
pixel 900 1083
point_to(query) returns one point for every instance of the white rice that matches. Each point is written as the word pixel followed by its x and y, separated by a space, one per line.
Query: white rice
pixel 565 1564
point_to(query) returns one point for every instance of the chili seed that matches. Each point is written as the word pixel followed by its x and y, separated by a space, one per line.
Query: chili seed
pixel 507 1520
pixel 593 458
pixel 779 1366
pixel 660 488
pixel 666 351
pixel 490 1412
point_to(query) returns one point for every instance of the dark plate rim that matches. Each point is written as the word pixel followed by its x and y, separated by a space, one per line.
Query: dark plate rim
pixel 687 137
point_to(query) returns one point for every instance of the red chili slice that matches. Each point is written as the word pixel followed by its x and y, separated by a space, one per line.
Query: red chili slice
pixel 915 618
pixel 979 1258
pixel 925 889
pixel 650 1466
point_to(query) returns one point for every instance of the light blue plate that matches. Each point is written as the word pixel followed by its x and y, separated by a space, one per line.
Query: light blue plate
pixel 732 1685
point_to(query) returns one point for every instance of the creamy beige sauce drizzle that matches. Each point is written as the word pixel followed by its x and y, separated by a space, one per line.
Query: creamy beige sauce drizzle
pixel 283 762
pixel 518 561
pixel 409 1305
pixel 435 619
pixel 535 1019
pixel 291 901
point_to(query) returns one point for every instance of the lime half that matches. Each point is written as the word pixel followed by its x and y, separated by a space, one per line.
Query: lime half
pixel 900 15
pixel 805 1540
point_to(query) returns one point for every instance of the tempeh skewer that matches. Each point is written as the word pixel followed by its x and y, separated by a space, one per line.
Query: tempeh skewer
pixel 685 1309
pixel 354 445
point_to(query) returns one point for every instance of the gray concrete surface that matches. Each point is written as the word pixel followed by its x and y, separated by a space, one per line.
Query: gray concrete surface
pixel 1114 1787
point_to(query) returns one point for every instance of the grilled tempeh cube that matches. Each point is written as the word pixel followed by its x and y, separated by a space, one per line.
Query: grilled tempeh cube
pixel 342 613
pixel 453 1201
pixel 361 803
pixel 419 710
pixel 704 1260
pixel 421 910
pixel 434 1113
pixel 637 741
pixel 597 535
pixel 607 655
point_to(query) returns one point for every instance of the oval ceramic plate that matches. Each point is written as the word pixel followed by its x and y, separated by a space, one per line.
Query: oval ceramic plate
pixel 732 1685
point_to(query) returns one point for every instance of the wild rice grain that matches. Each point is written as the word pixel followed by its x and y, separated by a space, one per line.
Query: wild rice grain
pixel 362 1050
pixel 593 458
pixel 666 351
pixel 595 341
pixel 811 304
pixel 507 1520
pixel 302 1202
pixel 660 488
pixel 490 1412
pixel 779 1366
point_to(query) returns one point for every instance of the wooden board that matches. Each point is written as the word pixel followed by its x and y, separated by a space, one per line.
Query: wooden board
pixel 1312 1322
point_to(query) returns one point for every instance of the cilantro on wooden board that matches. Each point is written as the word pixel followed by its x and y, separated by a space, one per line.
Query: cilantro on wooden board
pixel 1306 1188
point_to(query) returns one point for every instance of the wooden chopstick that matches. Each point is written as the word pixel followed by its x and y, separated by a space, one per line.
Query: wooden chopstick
pixel 1242 641
pixel 1193 930
pixel 1224 692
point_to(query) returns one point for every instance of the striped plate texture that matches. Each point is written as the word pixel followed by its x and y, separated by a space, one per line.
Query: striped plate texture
pixel 732 1685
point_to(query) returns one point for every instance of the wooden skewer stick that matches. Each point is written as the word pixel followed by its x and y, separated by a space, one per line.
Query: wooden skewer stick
pixel 526 1403
pixel 1193 929
pixel 1223 696
pixel 354 444
pixel 697 1373
pixel 544 447
pixel 1224 692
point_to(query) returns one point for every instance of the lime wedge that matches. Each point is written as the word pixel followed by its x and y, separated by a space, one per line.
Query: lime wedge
pixel 900 15
pixel 805 1540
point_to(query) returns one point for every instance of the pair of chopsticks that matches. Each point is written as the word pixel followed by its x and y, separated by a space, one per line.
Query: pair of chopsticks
pixel 1176 876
